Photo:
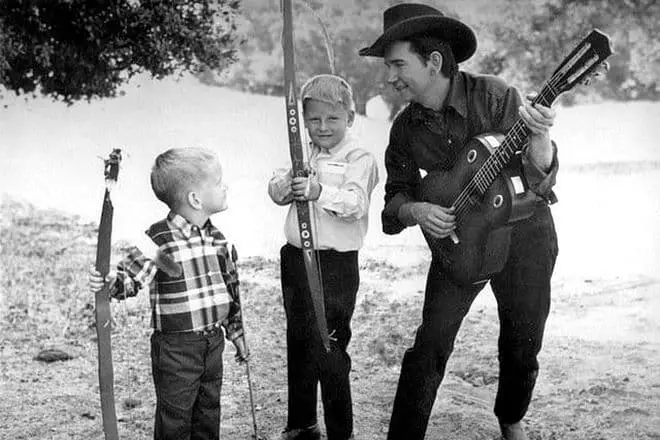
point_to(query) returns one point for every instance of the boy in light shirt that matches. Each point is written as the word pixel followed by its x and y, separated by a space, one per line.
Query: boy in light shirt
pixel 340 185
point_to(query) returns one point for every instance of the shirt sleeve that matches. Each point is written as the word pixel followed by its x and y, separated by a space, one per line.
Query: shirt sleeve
pixel 279 187
pixel 350 201
pixel 539 181
pixel 403 180
pixel 233 324
pixel 133 272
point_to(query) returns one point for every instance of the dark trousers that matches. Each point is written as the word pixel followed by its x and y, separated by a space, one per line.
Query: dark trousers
pixel 307 361
pixel 187 374
pixel 522 291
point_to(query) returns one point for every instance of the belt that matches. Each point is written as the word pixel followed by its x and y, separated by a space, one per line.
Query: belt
pixel 213 330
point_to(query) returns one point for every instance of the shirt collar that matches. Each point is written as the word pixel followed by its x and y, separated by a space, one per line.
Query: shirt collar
pixel 186 227
pixel 456 99
pixel 348 138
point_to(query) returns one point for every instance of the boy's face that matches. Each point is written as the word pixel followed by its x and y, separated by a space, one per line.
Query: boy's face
pixel 213 192
pixel 406 71
pixel 326 123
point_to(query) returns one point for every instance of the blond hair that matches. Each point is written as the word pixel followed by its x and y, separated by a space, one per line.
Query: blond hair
pixel 328 88
pixel 176 171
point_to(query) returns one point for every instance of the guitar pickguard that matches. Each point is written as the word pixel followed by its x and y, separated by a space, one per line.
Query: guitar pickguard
pixel 483 230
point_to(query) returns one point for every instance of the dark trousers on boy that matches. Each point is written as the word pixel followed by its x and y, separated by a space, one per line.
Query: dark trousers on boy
pixel 522 291
pixel 187 374
pixel 307 361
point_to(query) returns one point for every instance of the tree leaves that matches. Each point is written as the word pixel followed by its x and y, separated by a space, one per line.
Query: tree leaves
pixel 77 49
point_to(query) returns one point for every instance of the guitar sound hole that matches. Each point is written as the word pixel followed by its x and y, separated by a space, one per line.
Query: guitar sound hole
pixel 472 156
pixel 498 200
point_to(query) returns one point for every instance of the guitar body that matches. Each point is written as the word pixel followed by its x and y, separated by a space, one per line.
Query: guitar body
pixel 484 229
pixel 486 185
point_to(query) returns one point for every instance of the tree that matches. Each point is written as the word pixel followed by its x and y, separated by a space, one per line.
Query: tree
pixel 521 44
pixel 532 41
pixel 74 49
pixel 348 23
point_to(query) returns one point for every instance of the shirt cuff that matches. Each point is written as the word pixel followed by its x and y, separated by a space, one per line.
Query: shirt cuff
pixel 390 215
pixel 541 182
pixel 327 196
pixel 278 188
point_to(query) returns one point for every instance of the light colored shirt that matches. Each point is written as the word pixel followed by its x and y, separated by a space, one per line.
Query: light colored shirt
pixel 202 295
pixel 348 175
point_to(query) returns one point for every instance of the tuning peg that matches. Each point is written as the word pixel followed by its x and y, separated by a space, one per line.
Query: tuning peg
pixel 601 70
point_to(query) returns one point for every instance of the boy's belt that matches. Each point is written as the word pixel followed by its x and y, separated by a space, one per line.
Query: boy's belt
pixel 212 330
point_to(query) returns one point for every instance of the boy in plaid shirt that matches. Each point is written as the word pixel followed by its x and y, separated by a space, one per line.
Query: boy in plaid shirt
pixel 193 294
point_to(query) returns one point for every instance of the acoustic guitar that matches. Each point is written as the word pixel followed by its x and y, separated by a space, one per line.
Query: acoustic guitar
pixel 486 185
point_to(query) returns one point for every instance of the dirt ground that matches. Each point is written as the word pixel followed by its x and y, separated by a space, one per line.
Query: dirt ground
pixel 599 379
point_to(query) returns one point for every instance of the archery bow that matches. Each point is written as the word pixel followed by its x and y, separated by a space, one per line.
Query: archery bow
pixel 304 209
pixel 237 297
pixel 102 302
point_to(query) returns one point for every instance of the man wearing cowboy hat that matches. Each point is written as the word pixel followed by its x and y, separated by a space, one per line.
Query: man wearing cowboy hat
pixel 421 48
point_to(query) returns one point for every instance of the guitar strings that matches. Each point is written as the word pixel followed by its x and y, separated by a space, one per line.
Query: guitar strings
pixel 489 171
pixel 495 162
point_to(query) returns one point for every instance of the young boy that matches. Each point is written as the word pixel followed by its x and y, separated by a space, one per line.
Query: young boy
pixel 340 185
pixel 193 293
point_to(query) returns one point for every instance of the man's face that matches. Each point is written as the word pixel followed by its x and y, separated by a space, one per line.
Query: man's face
pixel 406 72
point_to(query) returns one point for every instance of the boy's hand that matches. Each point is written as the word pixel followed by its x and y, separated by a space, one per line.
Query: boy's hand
pixel 280 187
pixel 242 354
pixel 306 188
pixel 96 281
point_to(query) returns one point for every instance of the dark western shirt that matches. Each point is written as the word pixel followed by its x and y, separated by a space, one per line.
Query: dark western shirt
pixel 205 292
pixel 424 139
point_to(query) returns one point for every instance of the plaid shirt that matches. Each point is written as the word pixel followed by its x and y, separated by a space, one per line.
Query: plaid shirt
pixel 204 293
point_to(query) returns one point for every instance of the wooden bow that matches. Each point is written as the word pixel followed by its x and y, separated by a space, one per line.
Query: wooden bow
pixel 102 302
pixel 299 169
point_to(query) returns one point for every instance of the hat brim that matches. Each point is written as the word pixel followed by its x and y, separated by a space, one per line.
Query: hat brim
pixel 460 37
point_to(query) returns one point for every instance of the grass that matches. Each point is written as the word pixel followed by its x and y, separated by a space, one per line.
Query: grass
pixel 590 387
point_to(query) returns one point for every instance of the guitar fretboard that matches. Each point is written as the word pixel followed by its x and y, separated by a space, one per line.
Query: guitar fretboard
pixel 514 141
pixel 583 60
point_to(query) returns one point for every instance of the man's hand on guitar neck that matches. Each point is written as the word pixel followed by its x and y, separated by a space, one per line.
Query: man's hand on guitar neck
pixel 538 119
pixel 436 220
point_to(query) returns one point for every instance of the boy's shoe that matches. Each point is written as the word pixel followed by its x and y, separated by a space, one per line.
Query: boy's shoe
pixel 310 433
pixel 513 431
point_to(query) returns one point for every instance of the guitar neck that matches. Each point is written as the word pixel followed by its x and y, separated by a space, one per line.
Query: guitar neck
pixel 584 61
pixel 515 141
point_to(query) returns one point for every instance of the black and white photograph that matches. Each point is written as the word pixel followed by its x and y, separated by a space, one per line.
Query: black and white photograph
pixel 329 220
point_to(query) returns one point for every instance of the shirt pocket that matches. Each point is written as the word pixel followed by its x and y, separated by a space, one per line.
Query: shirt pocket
pixel 332 173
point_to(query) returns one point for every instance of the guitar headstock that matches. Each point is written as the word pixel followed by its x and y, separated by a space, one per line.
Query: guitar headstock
pixel 111 170
pixel 584 62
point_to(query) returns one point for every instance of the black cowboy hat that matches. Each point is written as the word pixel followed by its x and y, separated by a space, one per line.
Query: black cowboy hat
pixel 407 19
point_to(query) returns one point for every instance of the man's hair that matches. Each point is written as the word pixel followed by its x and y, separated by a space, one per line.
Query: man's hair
pixel 331 89
pixel 177 170
pixel 425 45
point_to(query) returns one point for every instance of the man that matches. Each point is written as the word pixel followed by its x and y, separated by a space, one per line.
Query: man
pixel 421 48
